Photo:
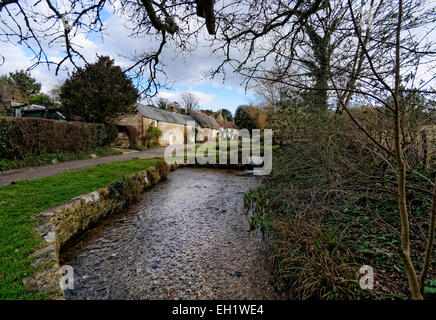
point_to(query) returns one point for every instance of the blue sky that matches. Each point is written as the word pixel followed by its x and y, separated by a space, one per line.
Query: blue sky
pixel 213 97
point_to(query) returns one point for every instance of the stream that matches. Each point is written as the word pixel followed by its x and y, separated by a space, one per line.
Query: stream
pixel 187 238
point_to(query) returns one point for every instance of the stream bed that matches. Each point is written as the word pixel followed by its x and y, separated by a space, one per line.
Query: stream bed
pixel 187 238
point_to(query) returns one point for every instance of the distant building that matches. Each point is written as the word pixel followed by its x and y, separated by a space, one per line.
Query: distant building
pixel 209 128
pixel 175 126
pixel 228 130
pixel 36 111
pixel 11 107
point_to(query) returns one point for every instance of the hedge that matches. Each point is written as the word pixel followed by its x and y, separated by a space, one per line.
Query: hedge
pixel 21 138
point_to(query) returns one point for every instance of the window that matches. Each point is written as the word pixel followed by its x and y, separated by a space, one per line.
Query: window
pixel 164 137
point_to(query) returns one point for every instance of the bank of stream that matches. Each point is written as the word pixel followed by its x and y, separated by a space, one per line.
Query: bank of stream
pixel 187 238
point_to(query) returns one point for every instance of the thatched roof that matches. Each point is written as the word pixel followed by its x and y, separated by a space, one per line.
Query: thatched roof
pixel 226 124
pixel 204 121
pixel 163 115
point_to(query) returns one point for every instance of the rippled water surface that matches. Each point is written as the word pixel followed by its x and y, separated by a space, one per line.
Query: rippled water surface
pixel 187 238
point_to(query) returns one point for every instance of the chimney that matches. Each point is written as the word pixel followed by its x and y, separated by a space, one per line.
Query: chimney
pixel 220 115
pixel 172 108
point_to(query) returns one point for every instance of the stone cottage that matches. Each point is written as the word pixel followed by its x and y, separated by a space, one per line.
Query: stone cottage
pixel 173 125
pixel 209 127
pixel 228 130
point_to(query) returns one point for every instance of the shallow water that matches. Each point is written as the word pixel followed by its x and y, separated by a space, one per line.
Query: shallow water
pixel 187 238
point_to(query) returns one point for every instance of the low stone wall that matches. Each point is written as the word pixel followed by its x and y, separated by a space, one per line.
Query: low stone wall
pixel 60 224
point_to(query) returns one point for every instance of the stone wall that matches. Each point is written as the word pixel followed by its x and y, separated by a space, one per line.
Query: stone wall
pixel 56 226
pixel 134 120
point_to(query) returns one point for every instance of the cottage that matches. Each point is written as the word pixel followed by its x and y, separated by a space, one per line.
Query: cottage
pixel 209 126
pixel 174 126
pixel 228 130
pixel 36 111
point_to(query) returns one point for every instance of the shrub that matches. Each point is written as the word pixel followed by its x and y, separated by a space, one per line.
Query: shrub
pixel 46 158
pixel 21 138
pixel 100 92
pixel 153 135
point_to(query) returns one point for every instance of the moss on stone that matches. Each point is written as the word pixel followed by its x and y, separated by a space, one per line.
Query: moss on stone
pixel 153 175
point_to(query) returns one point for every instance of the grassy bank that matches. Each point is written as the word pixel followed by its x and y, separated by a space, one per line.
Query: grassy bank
pixel 47 158
pixel 324 225
pixel 20 201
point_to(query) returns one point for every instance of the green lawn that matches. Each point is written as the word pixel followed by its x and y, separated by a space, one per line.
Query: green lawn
pixel 22 200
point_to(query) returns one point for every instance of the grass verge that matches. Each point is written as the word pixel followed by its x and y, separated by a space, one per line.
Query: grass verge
pixel 20 201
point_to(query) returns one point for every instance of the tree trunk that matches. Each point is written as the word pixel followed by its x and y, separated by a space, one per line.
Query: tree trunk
pixel 402 206
pixel 405 239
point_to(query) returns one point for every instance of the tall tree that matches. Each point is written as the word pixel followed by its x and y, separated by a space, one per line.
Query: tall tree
pixel 8 89
pixel 162 104
pixel 227 114
pixel 249 117
pixel 100 92
pixel 28 86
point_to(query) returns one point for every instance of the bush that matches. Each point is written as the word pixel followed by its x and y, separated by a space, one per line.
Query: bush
pixel 311 258
pixel 153 135
pixel 100 92
pixel 151 138
pixel 21 138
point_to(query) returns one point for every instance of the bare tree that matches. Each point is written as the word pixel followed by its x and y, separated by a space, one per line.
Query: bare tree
pixel 40 25
pixel 55 93
pixel 386 76
pixel 189 101
pixel 380 46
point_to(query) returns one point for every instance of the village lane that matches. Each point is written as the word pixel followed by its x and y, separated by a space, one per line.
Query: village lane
pixel 32 173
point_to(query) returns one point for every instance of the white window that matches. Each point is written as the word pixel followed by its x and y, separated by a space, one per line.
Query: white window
pixel 164 137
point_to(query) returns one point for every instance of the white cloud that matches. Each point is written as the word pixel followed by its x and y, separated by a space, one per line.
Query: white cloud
pixel 16 59
pixel 202 97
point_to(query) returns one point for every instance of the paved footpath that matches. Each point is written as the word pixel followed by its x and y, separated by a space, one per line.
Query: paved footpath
pixel 31 173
